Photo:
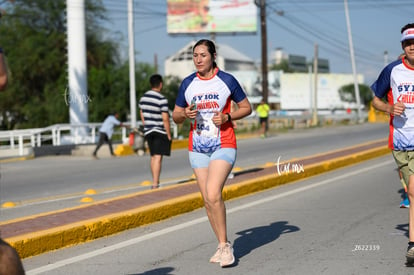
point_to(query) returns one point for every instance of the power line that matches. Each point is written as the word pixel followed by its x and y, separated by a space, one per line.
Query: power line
pixel 147 12
pixel 331 43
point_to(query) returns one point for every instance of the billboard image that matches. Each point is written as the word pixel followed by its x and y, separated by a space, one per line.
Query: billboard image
pixel 211 16
pixel 296 90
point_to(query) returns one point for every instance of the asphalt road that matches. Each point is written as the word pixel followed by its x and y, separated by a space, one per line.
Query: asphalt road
pixel 50 183
pixel 347 221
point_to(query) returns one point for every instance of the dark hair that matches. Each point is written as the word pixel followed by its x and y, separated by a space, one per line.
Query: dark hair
pixel 210 47
pixel 155 80
pixel 408 26
pixel 10 262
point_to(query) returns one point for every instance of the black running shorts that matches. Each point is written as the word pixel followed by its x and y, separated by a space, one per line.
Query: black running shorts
pixel 158 144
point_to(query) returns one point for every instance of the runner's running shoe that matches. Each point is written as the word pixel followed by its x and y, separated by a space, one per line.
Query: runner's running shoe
pixel 405 203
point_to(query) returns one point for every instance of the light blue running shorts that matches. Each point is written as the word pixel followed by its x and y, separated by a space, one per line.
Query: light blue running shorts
pixel 201 160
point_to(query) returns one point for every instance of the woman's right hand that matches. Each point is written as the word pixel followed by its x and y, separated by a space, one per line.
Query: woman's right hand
pixel 190 111
pixel 398 109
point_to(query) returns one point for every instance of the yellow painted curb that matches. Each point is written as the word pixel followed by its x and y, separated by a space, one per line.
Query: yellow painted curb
pixel 17 159
pixel 40 242
pixel 123 150
pixel 43 241
pixel 179 144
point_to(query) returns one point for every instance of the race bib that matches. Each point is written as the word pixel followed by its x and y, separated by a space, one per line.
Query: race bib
pixel 205 127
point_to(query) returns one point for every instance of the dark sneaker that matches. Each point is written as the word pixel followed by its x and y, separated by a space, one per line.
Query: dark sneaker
pixel 410 253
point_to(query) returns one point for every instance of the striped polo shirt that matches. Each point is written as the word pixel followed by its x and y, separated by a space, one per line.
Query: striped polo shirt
pixel 152 105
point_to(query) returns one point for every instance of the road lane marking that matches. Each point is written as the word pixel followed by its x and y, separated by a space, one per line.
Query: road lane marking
pixel 165 231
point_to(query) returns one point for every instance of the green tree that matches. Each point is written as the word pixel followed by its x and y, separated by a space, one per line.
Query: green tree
pixel 170 89
pixel 282 66
pixel 34 40
pixel 347 93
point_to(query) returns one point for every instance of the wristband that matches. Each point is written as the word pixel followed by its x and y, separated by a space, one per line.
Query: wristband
pixel 228 117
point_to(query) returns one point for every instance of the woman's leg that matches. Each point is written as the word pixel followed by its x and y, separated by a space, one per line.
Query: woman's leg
pixel 211 181
pixel 201 175
pixel 218 172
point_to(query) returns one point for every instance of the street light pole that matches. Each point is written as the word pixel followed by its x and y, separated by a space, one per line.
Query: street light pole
pixel 132 99
pixel 351 50
pixel 77 67
pixel 315 87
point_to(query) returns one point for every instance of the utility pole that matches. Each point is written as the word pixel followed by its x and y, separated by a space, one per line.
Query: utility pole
pixel 132 95
pixel 351 50
pixel 262 6
pixel 315 88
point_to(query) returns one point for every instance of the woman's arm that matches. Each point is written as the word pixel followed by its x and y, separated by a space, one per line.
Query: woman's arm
pixel 244 109
pixel 180 114
pixel 396 109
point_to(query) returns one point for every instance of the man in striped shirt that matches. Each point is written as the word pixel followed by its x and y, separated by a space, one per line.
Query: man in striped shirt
pixel 155 117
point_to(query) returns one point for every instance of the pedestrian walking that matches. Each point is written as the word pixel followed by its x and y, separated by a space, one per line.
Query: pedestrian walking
pixel 106 131
pixel 204 97
pixel 262 111
pixel 396 83
pixel 156 119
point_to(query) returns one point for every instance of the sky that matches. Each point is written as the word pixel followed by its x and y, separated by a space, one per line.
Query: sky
pixel 293 25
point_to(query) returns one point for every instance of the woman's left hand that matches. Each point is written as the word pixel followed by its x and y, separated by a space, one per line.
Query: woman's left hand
pixel 219 118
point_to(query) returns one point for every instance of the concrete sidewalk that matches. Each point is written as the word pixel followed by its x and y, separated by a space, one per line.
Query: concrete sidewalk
pixel 45 232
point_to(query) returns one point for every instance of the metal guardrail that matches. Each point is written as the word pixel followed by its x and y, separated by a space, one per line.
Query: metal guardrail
pixel 64 134
pixel 58 134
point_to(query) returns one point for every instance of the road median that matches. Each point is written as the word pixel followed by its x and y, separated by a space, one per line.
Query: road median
pixel 173 200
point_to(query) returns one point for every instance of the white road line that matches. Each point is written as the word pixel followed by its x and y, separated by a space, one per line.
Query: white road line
pixel 156 234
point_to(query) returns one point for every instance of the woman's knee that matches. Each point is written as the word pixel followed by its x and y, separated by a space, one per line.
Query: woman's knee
pixel 213 199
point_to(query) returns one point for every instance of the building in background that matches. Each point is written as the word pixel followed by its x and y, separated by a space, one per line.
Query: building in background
pixel 298 63
pixel 287 91
pixel 181 63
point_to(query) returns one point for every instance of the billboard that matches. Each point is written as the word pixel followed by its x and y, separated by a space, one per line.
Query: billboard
pixel 297 88
pixel 211 16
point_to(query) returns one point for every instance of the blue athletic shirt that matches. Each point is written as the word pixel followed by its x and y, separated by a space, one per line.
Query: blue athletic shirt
pixel 210 95
pixel 396 81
